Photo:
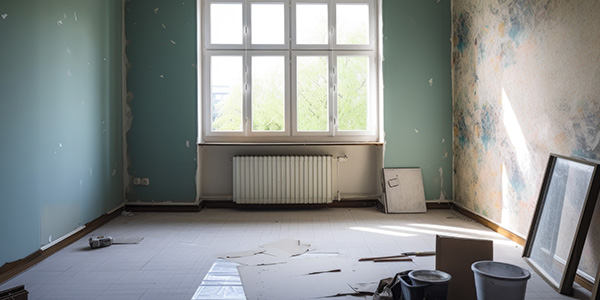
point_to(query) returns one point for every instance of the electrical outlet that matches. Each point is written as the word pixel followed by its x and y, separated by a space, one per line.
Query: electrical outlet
pixel 137 181
pixel 145 181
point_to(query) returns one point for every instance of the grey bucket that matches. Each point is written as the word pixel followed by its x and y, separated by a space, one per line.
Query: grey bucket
pixel 498 281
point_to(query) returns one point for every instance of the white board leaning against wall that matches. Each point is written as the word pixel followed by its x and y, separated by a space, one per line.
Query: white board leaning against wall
pixel 403 190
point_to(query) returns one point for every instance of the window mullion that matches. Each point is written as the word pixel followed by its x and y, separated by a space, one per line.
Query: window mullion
pixel 333 95
pixel 247 113
pixel 331 24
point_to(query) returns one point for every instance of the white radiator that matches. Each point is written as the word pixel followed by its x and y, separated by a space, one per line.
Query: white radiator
pixel 282 179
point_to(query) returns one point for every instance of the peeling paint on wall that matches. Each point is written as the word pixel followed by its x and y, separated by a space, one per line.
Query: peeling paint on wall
pixel 442 192
pixel 524 86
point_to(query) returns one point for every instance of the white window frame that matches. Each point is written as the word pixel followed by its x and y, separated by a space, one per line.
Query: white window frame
pixel 372 94
pixel 287 120
pixel 372 26
pixel 286 20
pixel 291 51
pixel 207 103
pixel 207 35
pixel 330 111
pixel 297 46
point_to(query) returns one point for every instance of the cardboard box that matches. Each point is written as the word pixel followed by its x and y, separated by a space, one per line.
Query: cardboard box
pixel 455 256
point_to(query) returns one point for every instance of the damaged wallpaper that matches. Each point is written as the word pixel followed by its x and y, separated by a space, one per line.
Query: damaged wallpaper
pixel 526 83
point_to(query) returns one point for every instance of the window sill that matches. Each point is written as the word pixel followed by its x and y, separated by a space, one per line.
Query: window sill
pixel 291 144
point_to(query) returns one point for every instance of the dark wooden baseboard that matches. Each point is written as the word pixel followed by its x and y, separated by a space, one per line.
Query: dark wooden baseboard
pixel 438 205
pixel 229 204
pixel 11 269
pixel 336 204
pixel 491 225
pixel 163 208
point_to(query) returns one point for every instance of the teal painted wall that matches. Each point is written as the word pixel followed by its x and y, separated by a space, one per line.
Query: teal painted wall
pixel 162 87
pixel 417 111
pixel 162 82
pixel 60 119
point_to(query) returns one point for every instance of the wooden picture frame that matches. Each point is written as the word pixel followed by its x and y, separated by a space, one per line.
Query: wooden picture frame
pixel 596 291
pixel 568 196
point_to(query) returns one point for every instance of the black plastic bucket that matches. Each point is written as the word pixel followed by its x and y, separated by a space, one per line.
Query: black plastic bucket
pixel 425 284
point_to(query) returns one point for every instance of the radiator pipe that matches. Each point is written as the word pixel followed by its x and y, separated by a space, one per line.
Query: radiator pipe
pixel 339 159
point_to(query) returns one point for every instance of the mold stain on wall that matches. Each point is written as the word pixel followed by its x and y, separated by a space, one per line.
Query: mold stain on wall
pixel 525 84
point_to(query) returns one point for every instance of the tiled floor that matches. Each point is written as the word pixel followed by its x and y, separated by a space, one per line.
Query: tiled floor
pixel 178 249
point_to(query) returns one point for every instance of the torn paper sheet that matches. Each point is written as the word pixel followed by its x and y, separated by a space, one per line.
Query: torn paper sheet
pixel 258 260
pixel 242 253
pixel 286 248
pixel 291 280
pixel 365 287
pixel 127 240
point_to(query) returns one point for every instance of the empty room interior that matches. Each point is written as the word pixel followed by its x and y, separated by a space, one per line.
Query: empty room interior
pixel 257 149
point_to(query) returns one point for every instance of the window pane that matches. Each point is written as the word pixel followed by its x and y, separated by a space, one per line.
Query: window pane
pixel 311 93
pixel 311 24
pixel 352 24
pixel 226 93
pixel 268 93
pixel 353 92
pixel 268 23
pixel 226 23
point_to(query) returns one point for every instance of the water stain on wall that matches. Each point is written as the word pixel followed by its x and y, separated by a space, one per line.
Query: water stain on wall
pixel 525 84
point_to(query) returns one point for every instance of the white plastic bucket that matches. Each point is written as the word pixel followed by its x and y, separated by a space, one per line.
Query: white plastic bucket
pixel 499 281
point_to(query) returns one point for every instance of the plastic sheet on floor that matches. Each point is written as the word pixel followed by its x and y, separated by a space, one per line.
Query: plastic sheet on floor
pixel 221 282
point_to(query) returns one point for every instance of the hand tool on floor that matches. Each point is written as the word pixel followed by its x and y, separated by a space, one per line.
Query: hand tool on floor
pixel 100 241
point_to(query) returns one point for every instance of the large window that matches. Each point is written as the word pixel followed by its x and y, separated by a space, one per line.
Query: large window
pixel 289 71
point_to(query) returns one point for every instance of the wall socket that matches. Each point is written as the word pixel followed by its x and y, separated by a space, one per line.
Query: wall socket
pixel 141 181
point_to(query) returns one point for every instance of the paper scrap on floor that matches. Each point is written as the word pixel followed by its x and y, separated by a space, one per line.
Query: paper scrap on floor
pixel 286 248
pixel 127 240
pixel 291 280
pixel 259 259
pixel 242 253
pixel 273 253
pixel 365 287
